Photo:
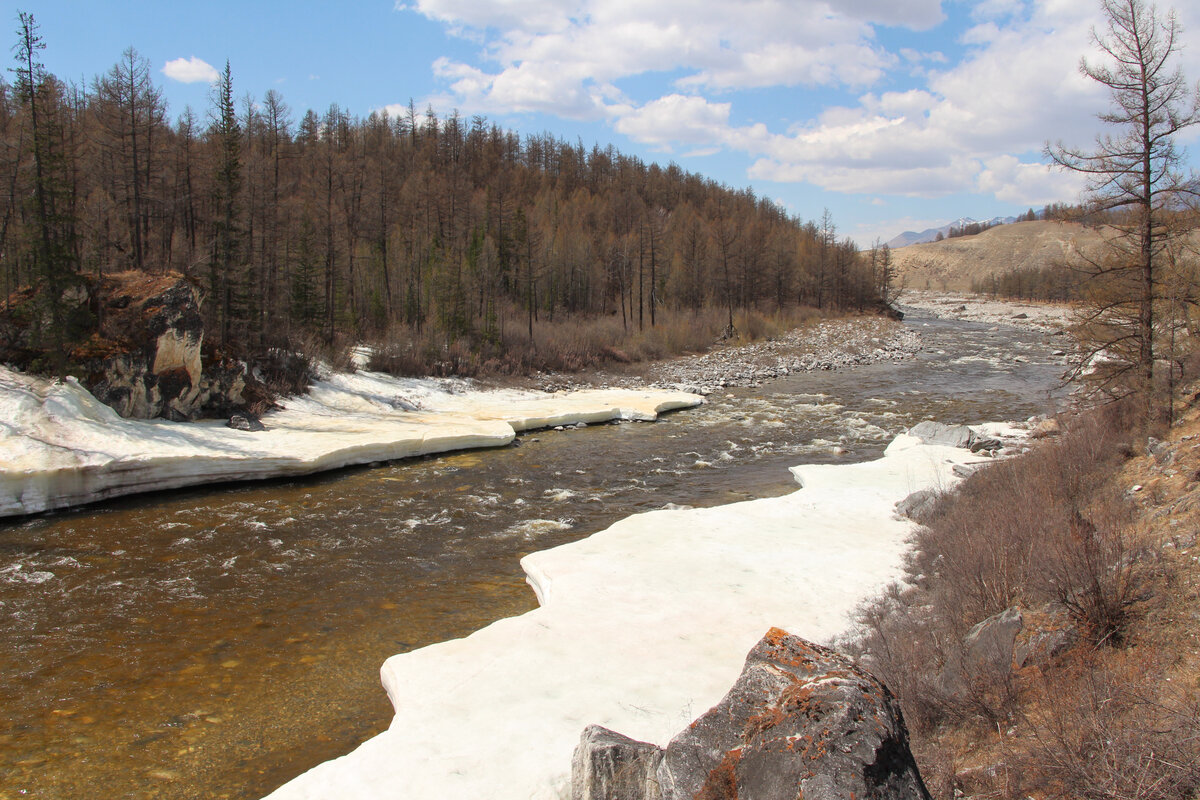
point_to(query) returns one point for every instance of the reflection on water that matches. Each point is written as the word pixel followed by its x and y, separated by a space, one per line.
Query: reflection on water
pixel 214 643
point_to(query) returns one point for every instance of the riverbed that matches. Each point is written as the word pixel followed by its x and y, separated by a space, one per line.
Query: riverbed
pixel 216 642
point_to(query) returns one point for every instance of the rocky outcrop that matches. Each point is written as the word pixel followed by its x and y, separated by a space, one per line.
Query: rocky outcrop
pixel 801 721
pixel 135 341
pixel 154 365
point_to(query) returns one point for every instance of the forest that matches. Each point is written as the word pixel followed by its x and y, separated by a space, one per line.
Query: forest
pixel 326 229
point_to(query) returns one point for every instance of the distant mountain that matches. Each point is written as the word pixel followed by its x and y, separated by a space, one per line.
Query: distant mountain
pixel 931 234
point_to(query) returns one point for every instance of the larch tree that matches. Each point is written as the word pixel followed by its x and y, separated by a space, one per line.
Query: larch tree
pixel 1137 176
pixel 129 108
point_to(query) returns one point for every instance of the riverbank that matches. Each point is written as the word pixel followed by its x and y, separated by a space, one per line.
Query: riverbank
pixel 820 346
pixel 641 627
pixel 1053 318
pixel 62 447
pixel 230 637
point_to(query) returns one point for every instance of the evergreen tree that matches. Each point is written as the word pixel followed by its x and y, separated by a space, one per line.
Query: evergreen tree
pixel 53 251
pixel 224 270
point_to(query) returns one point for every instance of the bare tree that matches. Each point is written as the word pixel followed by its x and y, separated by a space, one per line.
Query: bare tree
pixel 129 108
pixel 1137 175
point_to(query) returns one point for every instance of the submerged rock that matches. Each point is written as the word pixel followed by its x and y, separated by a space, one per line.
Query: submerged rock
pixel 801 721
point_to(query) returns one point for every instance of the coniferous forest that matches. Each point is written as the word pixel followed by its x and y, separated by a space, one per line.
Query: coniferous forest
pixel 326 228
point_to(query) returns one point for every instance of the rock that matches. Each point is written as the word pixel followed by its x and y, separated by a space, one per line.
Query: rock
pixel 135 340
pixel 609 766
pixel 242 421
pixel 991 642
pixel 1022 315
pixel 1045 646
pixel 932 432
pixel 404 405
pixel 987 653
pixel 801 721
pixel 966 470
pixel 989 443
pixel 1163 453
pixel 918 506
pixel 1046 427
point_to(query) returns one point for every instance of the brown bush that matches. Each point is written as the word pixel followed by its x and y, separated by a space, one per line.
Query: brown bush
pixel 1042 528
pixel 1111 725
pixel 568 345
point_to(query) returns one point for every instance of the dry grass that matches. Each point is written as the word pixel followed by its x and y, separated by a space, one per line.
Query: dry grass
pixel 1105 572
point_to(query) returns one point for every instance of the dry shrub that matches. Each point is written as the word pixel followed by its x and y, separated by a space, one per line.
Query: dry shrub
pixel 1023 532
pixel 1042 527
pixel 569 345
pixel 1111 725
pixel 284 373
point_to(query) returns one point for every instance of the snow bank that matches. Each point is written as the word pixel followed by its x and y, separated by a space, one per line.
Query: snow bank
pixel 642 627
pixel 59 446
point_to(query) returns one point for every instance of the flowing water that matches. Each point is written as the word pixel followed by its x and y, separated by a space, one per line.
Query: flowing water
pixel 216 642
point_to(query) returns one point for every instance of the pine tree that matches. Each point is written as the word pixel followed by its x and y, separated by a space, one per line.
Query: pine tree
pixel 54 250
pixel 224 272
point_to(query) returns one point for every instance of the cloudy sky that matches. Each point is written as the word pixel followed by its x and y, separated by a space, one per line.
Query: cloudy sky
pixel 893 114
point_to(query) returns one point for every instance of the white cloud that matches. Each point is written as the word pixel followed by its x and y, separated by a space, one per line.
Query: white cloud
pixel 676 118
pixel 561 56
pixel 190 70
pixel 1026 184
pixel 976 123
pixel 1016 87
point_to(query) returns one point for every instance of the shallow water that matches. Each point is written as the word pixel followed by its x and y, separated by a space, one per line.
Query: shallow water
pixel 216 642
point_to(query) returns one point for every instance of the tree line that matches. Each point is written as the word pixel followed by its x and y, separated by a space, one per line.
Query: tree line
pixel 337 228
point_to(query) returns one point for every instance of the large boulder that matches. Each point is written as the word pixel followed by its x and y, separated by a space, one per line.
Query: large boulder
pixel 609 766
pixel 987 652
pixel 931 432
pixel 802 721
pixel 134 340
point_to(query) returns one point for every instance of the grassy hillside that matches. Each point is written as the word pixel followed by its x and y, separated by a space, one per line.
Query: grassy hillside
pixel 955 264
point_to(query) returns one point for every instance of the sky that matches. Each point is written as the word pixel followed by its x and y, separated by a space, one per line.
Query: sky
pixel 892 114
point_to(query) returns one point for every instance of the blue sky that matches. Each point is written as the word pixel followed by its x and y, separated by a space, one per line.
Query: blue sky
pixel 893 114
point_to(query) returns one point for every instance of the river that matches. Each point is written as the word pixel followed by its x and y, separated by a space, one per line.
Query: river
pixel 217 641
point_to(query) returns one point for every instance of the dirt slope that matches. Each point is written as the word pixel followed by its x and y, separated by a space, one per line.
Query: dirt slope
pixel 953 264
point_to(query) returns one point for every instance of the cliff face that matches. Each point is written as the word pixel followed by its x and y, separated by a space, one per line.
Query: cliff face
pixel 136 341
